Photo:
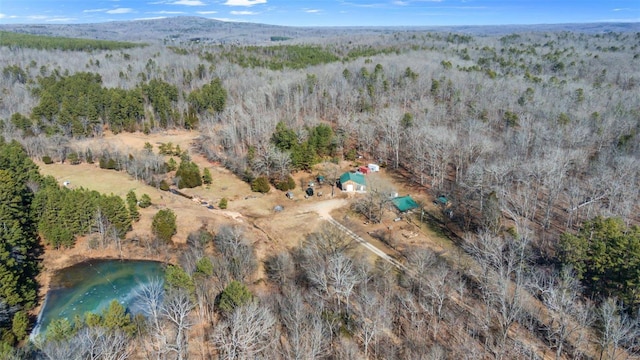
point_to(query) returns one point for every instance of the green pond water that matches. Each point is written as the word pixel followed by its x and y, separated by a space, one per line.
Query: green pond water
pixel 90 287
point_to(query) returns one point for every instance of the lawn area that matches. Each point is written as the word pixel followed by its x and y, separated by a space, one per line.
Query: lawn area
pixel 90 176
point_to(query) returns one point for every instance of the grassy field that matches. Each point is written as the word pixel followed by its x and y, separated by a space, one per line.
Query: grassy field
pixel 90 176
pixel 244 206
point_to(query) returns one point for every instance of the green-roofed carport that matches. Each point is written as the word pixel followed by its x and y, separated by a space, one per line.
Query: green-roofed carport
pixel 404 203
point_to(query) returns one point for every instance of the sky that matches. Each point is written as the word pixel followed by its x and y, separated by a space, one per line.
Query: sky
pixel 326 12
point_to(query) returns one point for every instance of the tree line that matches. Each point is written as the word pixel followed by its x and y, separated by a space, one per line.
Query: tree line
pixel 20 250
pixel 78 105
pixel 18 40
pixel 64 213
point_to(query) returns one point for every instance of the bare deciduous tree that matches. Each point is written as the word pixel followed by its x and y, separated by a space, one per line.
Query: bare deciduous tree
pixel 246 333
pixel 374 319
pixel 103 344
pixel 55 350
pixel 237 251
pixel 377 198
pixel 149 301
pixel 176 310
pixel 619 334
pixel 328 241
pixel 502 280
pixel 306 334
pixel 569 315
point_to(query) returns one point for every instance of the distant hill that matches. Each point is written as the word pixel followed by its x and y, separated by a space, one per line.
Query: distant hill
pixel 178 30
pixel 197 29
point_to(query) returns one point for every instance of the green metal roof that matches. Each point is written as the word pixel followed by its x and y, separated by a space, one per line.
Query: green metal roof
pixel 355 177
pixel 404 203
pixel 442 200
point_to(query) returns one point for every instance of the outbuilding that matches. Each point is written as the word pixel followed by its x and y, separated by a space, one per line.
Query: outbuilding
pixel 404 203
pixel 373 167
pixel 442 201
pixel 352 182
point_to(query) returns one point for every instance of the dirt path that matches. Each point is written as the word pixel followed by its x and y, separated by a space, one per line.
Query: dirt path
pixel 323 208
pixel 367 245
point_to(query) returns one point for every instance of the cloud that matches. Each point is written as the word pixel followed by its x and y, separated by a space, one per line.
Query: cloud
pixel 2 16
pixel 165 12
pixel 247 3
pixel 61 19
pixel 207 12
pixel 188 3
pixel 120 11
pixel 621 9
pixel 94 10
pixel 313 11
pixel 151 18
pixel 243 13
pixel 368 6
pixel 229 20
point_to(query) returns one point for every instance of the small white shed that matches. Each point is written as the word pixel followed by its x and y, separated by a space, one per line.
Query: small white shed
pixel 374 167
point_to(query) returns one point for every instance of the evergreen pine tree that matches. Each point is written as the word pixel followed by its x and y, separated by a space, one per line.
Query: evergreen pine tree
pixel 132 204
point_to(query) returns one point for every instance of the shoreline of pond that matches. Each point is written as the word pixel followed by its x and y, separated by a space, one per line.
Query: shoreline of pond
pixel 56 260
pixel 89 285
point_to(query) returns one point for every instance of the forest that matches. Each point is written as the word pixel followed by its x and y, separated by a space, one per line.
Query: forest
pixel 533 136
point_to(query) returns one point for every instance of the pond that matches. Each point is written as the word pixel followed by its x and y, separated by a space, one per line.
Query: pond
pixel 91 285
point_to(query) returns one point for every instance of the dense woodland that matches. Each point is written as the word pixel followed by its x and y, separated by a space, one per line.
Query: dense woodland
pixel 533 136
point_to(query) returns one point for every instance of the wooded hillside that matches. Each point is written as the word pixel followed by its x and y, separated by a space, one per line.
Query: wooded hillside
pixel 532 136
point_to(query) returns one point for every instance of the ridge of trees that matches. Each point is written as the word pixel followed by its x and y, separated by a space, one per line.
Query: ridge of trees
pixel 300 56
pixel 17 40
pixel 78 105
pixel 280 57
